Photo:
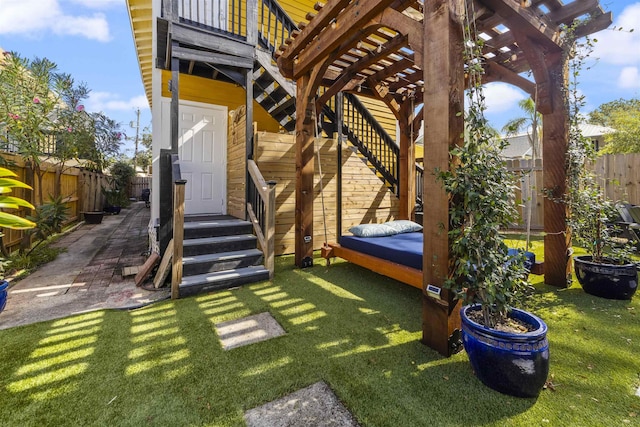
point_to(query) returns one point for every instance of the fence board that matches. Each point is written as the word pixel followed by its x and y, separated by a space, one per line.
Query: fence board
pixel 80 190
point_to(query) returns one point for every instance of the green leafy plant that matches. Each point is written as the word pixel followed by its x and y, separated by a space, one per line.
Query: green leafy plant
pixel 590 213
pixel 481 194
pixel 8 220
pixel 49 219
pixel 114 196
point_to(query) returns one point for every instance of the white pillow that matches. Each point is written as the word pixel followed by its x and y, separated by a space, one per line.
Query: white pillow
pixel 404 226
pixel 372 230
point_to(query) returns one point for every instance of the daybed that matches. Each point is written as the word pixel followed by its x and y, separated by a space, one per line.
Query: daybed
pixel 391 253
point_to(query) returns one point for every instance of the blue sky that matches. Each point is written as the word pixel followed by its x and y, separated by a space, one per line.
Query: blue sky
pixel 91 39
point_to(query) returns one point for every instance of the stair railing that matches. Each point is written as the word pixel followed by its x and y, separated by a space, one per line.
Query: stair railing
pixel 274 25
pixel 261 208
pixel 360 127
pixel 178 226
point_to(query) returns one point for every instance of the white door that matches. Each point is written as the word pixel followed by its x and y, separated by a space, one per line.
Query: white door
pixel 202 148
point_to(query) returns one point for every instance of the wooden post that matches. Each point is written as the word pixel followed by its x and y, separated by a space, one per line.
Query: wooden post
pixel 175 100
pixel 252 22
pixel 555 132
pixel 248 125
pixel 178 237
pixel 339 124
pixel 407 193
pixel 305 131
pixel 443 47
pixel 270 227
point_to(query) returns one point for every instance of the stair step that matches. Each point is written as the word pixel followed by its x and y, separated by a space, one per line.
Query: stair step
pixel 215 226
pixel 218 244
pixel 209 263
pixel 207 217
pixel 201 283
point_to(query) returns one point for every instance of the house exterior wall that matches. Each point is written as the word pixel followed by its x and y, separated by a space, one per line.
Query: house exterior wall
pixel 365 199
pixel 207 91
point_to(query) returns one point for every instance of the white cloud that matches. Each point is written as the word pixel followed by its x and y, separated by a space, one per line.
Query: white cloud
pixel 38 17
pixel 501 97
pixel 629 78
pixel 620 45
pixel 106 101
pixel 98 4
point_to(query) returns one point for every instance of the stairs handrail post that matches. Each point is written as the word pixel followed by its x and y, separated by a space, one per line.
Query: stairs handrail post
pixel 178 236
pixel 270 225
pixel 252 22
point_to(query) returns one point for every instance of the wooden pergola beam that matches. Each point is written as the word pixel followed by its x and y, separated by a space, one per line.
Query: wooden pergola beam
pixel 351 20
pixel 527 21
pixel 350 72
pixel 495 72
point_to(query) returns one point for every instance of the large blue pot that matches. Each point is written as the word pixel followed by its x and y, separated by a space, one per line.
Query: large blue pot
pixel 4 285
pixel 606 280
pixel 514 364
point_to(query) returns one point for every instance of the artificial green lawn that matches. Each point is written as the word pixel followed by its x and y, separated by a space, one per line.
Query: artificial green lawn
pixel 357 331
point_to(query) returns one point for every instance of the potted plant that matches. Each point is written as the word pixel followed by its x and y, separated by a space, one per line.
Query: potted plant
pixel 607 271
pixel 7 220
pixel 113 200
pixel 507 347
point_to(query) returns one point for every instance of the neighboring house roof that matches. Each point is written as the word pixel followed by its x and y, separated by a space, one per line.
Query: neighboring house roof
pixel 519 146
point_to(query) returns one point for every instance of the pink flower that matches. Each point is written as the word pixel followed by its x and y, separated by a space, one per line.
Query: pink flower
pixel 80 108
pixel 69 129
pixel 14 116
pixel 36 100
pixel 118 135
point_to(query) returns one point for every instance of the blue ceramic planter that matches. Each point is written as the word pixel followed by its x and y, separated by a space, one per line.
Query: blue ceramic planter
pixel 606 280
pixel 513 364
pixel 4 285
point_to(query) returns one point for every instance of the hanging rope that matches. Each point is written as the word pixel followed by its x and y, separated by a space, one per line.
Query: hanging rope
pixel 315 146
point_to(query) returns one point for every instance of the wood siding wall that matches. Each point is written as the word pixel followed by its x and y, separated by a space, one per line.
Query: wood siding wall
pixel 236 164
pixel 365 198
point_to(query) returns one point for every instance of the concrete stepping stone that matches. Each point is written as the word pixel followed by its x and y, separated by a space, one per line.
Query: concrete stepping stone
pixel 315 405
pixel 248 330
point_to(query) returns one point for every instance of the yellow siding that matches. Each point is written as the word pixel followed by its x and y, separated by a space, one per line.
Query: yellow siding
pixel 212 92
pixel 297 9
pixel 198 89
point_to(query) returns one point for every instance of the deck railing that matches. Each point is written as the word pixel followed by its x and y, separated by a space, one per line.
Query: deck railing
pixel 261 208
pixel 223 16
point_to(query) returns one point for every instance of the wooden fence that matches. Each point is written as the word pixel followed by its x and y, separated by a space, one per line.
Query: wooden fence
pixel 137 184
pixel 80 189
pixel 618 175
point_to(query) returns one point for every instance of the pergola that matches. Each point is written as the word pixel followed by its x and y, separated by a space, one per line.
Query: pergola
pixel 405 52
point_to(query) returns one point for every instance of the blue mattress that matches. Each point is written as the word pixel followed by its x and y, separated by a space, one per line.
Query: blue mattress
pixel 404 249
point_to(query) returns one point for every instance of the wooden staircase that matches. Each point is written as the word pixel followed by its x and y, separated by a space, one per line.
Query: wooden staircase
pixel 219 252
